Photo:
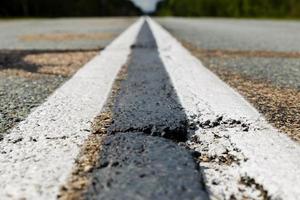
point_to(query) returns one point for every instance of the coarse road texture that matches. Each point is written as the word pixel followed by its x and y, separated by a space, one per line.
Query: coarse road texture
pixel 241 156
pixel 39 55
pixel 38 154
pixel 27 78
pixel 173 130
pixel 134 164
pixel 137 166
pixel 259 58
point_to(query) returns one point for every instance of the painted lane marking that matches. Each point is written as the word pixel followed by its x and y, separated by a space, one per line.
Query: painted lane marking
pixel 136 160
pixel 265 159
pixel 37 156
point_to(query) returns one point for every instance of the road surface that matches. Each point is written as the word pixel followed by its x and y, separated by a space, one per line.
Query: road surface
pixel 150 117
pixel 259 58
pixel 37 56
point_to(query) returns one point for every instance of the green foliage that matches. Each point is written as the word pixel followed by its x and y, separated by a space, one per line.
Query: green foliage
pixel 230 8
pixel 57 8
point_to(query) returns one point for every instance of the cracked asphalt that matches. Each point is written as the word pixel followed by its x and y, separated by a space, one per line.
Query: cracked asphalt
pixel 140 157
pixel 143 145
pixel 259 58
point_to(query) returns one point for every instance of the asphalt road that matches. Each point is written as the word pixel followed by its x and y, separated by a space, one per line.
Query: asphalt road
pixel 246 35
pixel 145 119
pixel 133 159
pixel 69 33
pixel 236 34
pixel 38 55
pixel 259 58
pixel 147 101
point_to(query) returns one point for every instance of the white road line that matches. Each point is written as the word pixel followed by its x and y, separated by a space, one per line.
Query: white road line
pixel 270 158
pixel 37 156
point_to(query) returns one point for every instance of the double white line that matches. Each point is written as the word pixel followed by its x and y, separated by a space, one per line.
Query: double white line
pixel 38 155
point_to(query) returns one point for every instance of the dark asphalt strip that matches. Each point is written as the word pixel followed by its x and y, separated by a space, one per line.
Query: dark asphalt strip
pixel 137 166
pixel 147 100
pixel 134 163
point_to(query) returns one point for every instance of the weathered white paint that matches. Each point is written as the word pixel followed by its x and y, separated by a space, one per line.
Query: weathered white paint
pixel 272 159
pixel 37 156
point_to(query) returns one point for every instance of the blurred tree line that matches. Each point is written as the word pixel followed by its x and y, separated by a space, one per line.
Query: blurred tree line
pixel 230 8
pixel 57 8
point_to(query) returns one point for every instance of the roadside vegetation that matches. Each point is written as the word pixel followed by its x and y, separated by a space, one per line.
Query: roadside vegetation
pixel 230 8
pixel 57 8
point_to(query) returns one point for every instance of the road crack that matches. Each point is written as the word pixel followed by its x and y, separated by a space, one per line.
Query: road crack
pixel 220 159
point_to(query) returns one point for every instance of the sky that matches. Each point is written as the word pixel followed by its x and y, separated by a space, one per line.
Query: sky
pixel 146 5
